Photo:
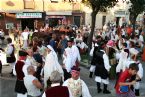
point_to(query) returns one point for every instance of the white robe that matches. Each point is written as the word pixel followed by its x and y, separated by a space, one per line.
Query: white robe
pixel 85 90
pixel 68 54
pixel 76 54
pixel 24 36
pixel 51 64
pixel 122 61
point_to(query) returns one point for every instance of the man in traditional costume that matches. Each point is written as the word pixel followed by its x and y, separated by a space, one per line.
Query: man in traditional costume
pixel 10 54
pixel 20 88
pixel 68 54
pixel 76 58
pixel 56 90
pixel 51 64
pixel 92 54
pixel 77 86
pixel 1 63
pixel 102 68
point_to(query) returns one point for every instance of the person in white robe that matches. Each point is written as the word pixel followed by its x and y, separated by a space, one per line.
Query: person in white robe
pixel 25 36
pixel 123 58
pixel 51 64
pixel 76 85
pixel 76 58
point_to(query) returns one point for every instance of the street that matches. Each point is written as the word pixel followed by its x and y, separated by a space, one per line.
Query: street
pixel 7 84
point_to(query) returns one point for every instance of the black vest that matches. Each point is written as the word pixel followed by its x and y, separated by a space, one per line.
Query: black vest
pixel 93 61
pixel 100 68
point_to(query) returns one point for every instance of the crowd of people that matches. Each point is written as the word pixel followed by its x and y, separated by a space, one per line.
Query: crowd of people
pixel 115 54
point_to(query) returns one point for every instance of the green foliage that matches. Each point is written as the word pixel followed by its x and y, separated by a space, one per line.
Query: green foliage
pixel 100 5
pixel 137 6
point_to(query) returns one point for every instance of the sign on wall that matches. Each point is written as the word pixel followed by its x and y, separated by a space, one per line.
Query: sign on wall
pixel 29 15
pixel 9 25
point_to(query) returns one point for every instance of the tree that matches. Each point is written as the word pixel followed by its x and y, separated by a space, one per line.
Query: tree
pixel 97 6
pixel 137 7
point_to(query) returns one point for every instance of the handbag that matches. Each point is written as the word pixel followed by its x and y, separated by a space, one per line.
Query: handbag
pixel 11 59
pixel 124 89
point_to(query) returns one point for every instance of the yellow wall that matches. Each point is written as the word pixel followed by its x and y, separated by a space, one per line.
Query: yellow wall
pixel 62 6
pixel 38 5
pixel 18 5
pixel 7 5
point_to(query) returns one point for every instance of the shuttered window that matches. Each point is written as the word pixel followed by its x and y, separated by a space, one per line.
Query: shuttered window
pixel 29 4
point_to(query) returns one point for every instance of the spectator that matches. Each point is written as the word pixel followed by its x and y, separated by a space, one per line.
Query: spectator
pixel 32 84
pixel 56 90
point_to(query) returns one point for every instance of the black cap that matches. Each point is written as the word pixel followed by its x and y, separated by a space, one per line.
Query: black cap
pixel 69 40
pixel 22 53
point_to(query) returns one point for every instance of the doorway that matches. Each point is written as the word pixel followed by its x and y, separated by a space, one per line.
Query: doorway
pixel 77 20
pixel 27 23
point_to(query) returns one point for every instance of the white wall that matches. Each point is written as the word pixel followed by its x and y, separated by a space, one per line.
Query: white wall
pixel 99 16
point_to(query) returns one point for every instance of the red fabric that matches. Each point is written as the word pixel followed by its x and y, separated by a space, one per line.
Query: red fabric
pixel 22 57
pixel 123 77
pixel 58 91
pixel 77 64
pixel 129 31
pixel 18 67
pixel 143 55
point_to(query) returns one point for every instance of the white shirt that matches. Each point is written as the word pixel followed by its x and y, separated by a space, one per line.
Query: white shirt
pixel 1 34
pixel 31 88
pixel 140 71
pixel 25 35
pixel 9 49
pixel 85 90
pixel 141 38
pixel 29 61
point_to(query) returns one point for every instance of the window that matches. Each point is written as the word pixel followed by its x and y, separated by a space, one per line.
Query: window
pixel 54 1
pixel 29 4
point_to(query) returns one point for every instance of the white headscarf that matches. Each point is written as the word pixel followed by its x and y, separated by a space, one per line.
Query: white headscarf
pixel 53 52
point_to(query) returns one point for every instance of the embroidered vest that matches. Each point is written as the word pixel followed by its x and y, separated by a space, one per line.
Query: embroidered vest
pixel 75 87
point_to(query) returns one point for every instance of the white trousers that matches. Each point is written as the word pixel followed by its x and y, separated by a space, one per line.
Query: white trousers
pixel 104 81
pixel 137 85
pixel 92 68
pixel 21 95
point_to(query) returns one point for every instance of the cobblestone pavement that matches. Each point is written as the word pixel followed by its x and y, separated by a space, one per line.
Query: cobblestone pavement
pixel 7 84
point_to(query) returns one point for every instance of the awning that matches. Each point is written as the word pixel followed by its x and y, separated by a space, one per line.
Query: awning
pixel 59 13
pixel 63 17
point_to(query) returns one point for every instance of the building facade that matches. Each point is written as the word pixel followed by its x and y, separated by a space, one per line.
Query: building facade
pixel 38 13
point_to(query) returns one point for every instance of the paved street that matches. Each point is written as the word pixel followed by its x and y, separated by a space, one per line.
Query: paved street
pixel 7 84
